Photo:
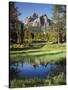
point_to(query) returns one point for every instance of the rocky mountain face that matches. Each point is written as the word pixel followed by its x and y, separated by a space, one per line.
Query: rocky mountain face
pixel 41 22
pixel 30 19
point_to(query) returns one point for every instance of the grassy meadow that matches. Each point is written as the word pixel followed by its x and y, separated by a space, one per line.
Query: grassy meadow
pixel 48 53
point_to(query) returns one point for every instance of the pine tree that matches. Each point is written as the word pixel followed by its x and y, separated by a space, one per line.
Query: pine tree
pixel 59 19
pixel 13 22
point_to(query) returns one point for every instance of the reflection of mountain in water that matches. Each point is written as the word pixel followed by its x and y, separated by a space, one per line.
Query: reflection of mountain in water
pixel 29 71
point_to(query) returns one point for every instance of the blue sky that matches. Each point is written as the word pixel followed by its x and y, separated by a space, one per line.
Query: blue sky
pixel 27 9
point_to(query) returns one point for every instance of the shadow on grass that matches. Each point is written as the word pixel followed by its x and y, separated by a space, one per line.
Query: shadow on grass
pixel 26 48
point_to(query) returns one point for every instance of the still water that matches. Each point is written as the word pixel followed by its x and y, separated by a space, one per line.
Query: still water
pixel 26 70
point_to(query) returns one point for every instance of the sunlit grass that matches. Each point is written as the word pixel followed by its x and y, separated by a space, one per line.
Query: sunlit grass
pixel 48 53
pixel 45 48
pixel 45 58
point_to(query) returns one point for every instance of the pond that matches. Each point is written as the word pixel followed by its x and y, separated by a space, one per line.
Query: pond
pixel 26 70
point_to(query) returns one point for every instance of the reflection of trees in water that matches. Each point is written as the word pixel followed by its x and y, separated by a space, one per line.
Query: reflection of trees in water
pixel 13 73
pixel 53 69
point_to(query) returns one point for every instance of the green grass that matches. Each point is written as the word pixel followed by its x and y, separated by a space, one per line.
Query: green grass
pixel 48 53
pixel 45 48
pixel 56 80
pixel 45 58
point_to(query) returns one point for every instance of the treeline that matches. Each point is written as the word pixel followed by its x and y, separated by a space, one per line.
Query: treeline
pixel 56 32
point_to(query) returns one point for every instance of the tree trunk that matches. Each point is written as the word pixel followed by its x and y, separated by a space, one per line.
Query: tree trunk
pixel 58 39
pixel 61 39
